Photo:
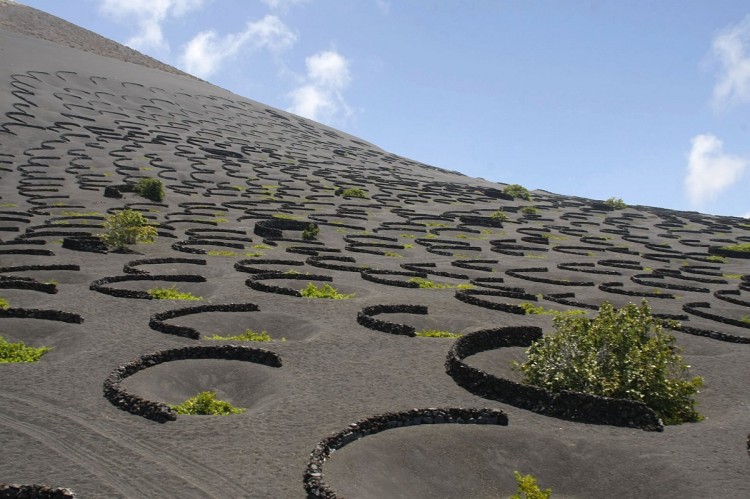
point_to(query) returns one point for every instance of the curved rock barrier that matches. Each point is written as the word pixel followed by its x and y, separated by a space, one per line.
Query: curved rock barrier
pixel 523 274
pixel 100 284
pixel 718 250
pixel 157 320
pixel 256 284
pixel 36 313
pixel 17 491
pixel 375 276
pixel 569 405
pixel 130 267
pixel 366 319
pixel 471 296
pixel 313 479
pixel 26 283
pixel 158 411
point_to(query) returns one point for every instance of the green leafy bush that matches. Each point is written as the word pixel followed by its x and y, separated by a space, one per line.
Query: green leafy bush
pixel 427 284
pixel 616 203
pixel 127 227
pixel 435 333
pixel 248 335
pixel 352 193
pixel 529 210
pixel 150 188
pixel 311 232
pixel 532 309
pixel 716 258
pixel 621 353
pixel 744 248
pixel 325 291
pixel 527 488
pixel 19 352
pixel 517 191
pixel 4 304
pixel 172 293
pixel 206 404
pixel 499 215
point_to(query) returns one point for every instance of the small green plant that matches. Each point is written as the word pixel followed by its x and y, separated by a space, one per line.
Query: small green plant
pixel 621 353
pixel 743 248
pixel 19 352
pixel 732 276
pixel 172 293
pixel 150 188
pixel 352 193
pixel 427 284
pixel 716 258
pixel 532 309
pixel 435 333
pixel 206 404
pixel 500 216
pixel 127 227
pixel 527 488
pixel 745 319
pixel 82 214
pixel 8 205
pixel 285 216
pixel 311 232
pixel 221 253
pixel 4 305
pixel 392 254
pixel 253 254
pixel 529 210
pixel 261 246
pixel 517 191
pixel 325 291
pixel 248 335
pixel 616 203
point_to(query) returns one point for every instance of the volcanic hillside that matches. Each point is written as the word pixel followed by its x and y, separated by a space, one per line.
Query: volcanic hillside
pixel 346 398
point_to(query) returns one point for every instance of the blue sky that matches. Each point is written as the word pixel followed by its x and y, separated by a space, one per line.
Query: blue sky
pixel 648 101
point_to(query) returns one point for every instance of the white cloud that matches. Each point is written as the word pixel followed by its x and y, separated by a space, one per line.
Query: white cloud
pixel 282 4
pixel 710 170
pixel 321 96
pixel 384 6
pixel 148 16
pixel 205 53
pixel 732 48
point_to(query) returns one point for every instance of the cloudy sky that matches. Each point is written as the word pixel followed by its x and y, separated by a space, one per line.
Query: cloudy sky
pixel 646 100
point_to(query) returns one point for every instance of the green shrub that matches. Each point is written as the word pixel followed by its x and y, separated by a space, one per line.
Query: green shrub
pixel 744 248
pixel 172 293
pixel 325 291
pixel 127 227
pixel 529 210
pixel 150 188
pixel 616 203
pixel 527 488
pixel 716 258
pixel 221 253
pixel 248 335
pixel 622 353
pixel 532 309
pixel 499 215
pixel 311 232
pixel 517 191
pixel 434 333
pixel 427 284
pixel 206 404
pixel 19 352
pixel 352 193
pixel 4 304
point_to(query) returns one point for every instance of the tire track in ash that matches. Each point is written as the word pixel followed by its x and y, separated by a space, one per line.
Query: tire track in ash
pixel 210 482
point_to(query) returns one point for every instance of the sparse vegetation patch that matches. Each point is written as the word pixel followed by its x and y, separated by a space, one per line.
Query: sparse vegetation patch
pixel 172 293
pixel 325 291
pixel 19 352
pixel 206 404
